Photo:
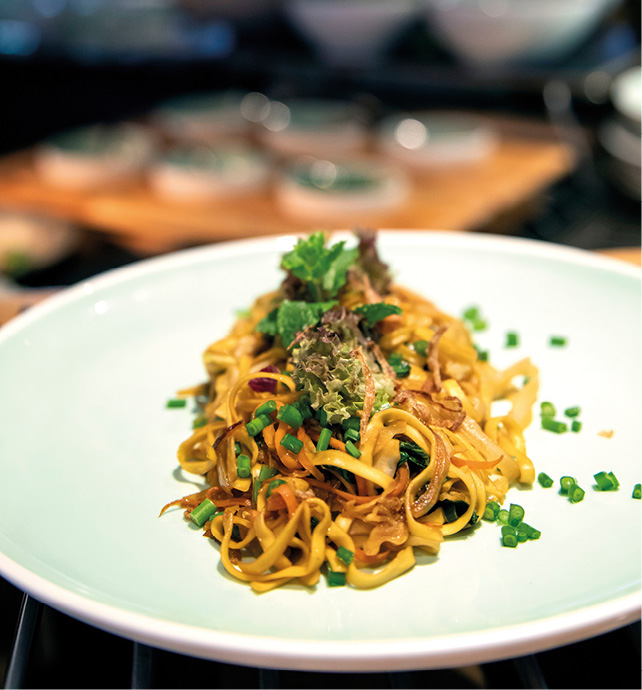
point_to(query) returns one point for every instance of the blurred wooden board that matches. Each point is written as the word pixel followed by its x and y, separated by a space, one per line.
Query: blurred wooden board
pixel 456 198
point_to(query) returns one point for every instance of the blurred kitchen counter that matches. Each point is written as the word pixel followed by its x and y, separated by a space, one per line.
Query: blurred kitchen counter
pixel 492 194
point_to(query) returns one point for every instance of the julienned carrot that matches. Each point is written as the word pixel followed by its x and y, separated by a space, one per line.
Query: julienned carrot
pixel 285 493
pixel 303 456
pixel 474 464
pixel 361 555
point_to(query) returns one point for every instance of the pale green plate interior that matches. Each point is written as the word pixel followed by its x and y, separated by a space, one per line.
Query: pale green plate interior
pixel 88 459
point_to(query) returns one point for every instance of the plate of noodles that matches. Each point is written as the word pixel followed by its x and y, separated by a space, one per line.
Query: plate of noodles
pixel 358 452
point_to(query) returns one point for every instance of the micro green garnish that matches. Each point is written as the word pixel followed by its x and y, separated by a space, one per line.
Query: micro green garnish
pixel 373 313
pixel 322 269
pixel 292 316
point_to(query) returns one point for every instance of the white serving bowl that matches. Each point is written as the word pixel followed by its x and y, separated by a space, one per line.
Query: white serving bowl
pixel 198 174
pixel 89 158
pixel 498 32
pixel 202 117
pixel 350 33
pixel 357 190
pixel 428 139
pixel 313 126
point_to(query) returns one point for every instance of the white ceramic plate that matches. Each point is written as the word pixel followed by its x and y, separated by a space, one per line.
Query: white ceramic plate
pixel 88 459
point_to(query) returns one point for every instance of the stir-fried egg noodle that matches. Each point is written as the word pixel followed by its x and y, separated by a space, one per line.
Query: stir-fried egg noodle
pixel 413 452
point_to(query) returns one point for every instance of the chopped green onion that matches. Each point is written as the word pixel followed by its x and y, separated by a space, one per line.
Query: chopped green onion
pixel 515 514
pixel 557 340
pixel 177 402
pixel 273 485
pixel 322 416
pixel 352 435
pixel 521 535
pixel 352 449
pixel 613 478
pixel 351 423
pixel 345 555
pixel 479 324
pixel 576 425
pixel 199 421
pixel 237 448
pixel 266 472
pixel 324 440
pixel 566 483
pixel 509 536
pixel 531 532
pixel 471 313
pixel 637 491
pixel 544 480
pixel 554 425
pixel 572 411
pixel 502 517
pixel 290 416
pixel 604 482
pixel 336 579
pixel 292 443
pixel 547 409
pixel 575 493
pixel 304 408
pixel 202 513
pixel 255 426
pixel 512 339
pixel 243 467
pixel 268 407
pixel 482 355
pixel 491 511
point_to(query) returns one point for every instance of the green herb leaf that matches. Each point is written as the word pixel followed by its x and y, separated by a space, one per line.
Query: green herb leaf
pixel 292 316
pixel 373 313
pixel 324 270
pixel 411 452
